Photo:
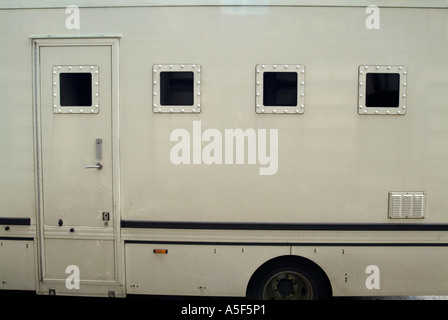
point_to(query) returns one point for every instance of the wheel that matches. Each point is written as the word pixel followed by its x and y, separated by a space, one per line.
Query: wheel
pixel 289 280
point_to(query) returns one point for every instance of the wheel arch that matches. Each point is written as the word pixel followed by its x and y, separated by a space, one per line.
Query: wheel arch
pixel 287 260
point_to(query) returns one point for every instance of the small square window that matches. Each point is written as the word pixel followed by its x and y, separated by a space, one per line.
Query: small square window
pixel 280 88
pixel 75 89
pixel 382 90
pixel 177 88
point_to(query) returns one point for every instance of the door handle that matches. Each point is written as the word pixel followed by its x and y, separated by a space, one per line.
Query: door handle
pixel 98 166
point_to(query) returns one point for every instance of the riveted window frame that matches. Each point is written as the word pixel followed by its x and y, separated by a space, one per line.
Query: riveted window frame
pixel 157 107
pixel 401 70
pixel 260 108
pixel 94 108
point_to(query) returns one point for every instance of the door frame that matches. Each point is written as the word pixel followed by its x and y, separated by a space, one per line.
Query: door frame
pixel 111 40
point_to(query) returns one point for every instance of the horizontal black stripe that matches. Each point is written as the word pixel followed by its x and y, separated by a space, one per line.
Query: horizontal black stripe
pixel 17 238
pixel 15 221
pixel 294 244
pixel 284 226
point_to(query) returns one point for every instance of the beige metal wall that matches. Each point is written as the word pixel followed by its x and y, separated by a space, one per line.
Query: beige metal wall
pixel 334 165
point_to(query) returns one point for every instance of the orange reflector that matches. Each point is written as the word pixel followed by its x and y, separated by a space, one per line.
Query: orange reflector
pixel 161 251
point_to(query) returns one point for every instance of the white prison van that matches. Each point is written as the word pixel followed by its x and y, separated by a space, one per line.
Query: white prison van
pixel 289 149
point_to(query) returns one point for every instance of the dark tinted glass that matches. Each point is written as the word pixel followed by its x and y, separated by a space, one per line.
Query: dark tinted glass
pixel 280 89
pixel 75 89
pixel 382 90
pixel 176 88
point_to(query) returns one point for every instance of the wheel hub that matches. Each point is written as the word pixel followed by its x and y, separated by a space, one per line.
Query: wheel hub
pixel 288 285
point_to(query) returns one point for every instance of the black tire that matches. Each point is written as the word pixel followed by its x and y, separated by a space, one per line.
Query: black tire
pixel 289 279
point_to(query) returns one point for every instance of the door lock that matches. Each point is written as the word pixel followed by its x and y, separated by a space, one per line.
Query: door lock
pixel 106 218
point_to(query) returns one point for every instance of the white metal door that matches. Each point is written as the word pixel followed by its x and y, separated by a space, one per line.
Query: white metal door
pixel 78 243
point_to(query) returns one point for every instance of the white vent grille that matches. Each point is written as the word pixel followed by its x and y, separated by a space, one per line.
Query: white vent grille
pixel 407 205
